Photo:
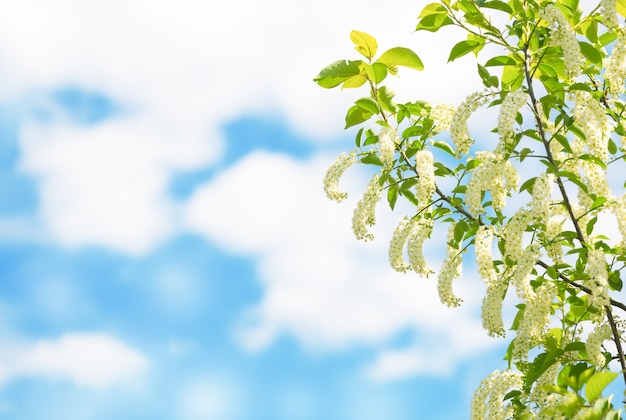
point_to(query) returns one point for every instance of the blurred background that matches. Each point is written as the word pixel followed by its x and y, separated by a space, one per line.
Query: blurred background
pixel 166 249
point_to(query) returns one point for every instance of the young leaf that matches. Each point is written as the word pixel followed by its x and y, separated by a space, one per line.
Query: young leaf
pixel 400 56
pixel 597 383
pixel 590 52
pixel 500 60
pixel 462 48
pixel 357 115
pixel 336 73
pixel 385 99
pixel 434 22
pixel 432 9
pixel 365 44
pixel 497 5
pixel 367 104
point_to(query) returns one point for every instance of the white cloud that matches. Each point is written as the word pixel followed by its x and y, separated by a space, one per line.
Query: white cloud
pixel 93 360
pixel 180 70
pixel 321 285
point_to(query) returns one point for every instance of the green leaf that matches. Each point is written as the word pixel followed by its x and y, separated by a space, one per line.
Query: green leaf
pixel 434 22
pixel 392 195
pixel 590 52
pixel 400 56
pixel 371 159
pixel 338 72
pixel 462 48
pixel 528 185
pixel 380 72
pixel 365 43
pixel 357 115
pixel 500 60
pixel 512 78
pixel 580 86
pixel 359 137
pixel 597 383
pixel 432 9
pixel 444 146
pixel 367 104
pixel 498 5
pixel 385 99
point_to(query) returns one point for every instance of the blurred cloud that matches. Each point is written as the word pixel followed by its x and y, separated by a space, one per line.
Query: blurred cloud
pixel 93 360
pixel 321 285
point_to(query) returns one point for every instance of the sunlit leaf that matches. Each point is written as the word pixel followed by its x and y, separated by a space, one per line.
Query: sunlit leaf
pixel 400 56
pixel 365 43
pixel 597 383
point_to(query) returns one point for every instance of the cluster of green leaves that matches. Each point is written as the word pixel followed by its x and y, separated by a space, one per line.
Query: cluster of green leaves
pixel 528 60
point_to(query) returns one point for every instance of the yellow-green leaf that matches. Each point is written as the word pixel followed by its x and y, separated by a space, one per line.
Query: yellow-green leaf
pixel 462 48
pixel 400 56
pixel 365 43
pixel 433 9
pixel 597 383
pixel 336 73
pixel 621 7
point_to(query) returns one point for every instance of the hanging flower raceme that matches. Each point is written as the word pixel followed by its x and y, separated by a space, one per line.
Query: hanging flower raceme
pixel 594 342
pixel 459 132
pixel 387 140
pixel 420 231
pixel 608 12
pixel 396 247
pixel 598 278
pixel 425 187
pixel 565 38
pixel 615 66
pixel 497 176
pixel 443 115
pixel 594 122
pixel 542 190
pixel 365 211
pixel 535 321
pixel 334 173
pixel 450 270
pixel 488 401
pixel 511 105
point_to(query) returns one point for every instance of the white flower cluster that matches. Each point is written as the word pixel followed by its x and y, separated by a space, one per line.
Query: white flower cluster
pixel 334 173
pixel 387 139
pixel 546 401
pixel 365 211
pixel 542 192
pixel 484 259
pixel 396 247
pixel 535 321
pixel 608 12
pixel 553 228
pixel 594 122
pixel 618 206
pixel 615 65
pixel 459 131
pixel 598 278
pixel 513 247
pixel 450 270
pixel 508 110
pixel 488 403
pixel 521 275
pixel 411 232
pixel 495 175
pixel 565 38
pixel 425 187
pixel 420 231
pixel 492 302
pixel 442 114
pixel 595 180
pixel 600 333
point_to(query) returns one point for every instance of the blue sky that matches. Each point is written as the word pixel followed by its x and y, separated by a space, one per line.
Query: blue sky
pixel 166 248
